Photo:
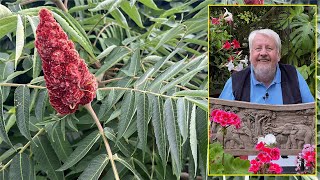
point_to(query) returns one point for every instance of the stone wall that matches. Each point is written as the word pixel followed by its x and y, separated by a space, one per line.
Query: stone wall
pixel 293 126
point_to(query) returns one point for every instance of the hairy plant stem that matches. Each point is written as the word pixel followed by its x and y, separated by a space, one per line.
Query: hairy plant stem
pixel 96 120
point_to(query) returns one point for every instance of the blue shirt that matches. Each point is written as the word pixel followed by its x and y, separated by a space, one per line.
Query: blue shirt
pixel 258 90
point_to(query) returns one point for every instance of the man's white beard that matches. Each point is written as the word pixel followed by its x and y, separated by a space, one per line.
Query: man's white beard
pixel 264 74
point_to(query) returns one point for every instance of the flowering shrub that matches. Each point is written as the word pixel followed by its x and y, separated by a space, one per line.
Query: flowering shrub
pixel 306 160
pixel 67 77
pixel 223 46
pixel 262 163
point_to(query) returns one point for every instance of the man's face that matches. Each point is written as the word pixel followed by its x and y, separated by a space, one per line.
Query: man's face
pixel 264 55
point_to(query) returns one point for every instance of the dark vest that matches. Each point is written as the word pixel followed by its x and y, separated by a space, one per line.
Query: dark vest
pixel 289 85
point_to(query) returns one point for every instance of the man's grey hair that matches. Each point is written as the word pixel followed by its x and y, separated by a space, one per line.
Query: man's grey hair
pixel 268 32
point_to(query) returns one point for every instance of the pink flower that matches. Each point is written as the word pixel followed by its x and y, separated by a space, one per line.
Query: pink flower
pixel 275 168
pixel 225 118
pixel 275 153
pixel 215 21
pixel 226 45
pixel 254 166
pixel 264 157
pixel 260 146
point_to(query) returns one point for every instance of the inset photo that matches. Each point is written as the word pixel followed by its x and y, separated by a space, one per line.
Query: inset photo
pixel 262 71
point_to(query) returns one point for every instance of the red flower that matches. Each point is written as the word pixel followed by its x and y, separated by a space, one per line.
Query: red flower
pixel 67 77
pixel 215 21
pixel 254 1
pixel 225 118
pixel 235 44
pixel 231 58
pixel 226 45
pixel 275 153
pixel 254 166
pixel 275 168
pixel 260 146
pixel 264 157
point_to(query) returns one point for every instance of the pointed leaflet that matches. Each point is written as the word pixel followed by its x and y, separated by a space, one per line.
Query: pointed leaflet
pixel 22 103
pixel 132 12
pixel 172 133
pixel 3 132
pixel 106 104
pixel 4 11
pixel 150 4
pixel 114 57
pixel 82 149
pixel 186 77
pixel 36 62
pixel 9 152
pixel 155 68
pixel 203 104
pixel 41 104
pixel 45 156
pixel 60 145
pixel 19 40
pixel 129 166
pixel 170 35
pixel 21 168
pixel 193 137
pixel 192 93
pixel 166 75
pixel 8 25
pixel 95 168
pixel 159 127
pixel 182 118
pixel 106 52
pixel 127 111
pixel 134 64
pixel 142 119
pixel 202 136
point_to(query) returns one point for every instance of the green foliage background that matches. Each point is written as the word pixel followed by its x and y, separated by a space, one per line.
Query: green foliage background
pixel 150 58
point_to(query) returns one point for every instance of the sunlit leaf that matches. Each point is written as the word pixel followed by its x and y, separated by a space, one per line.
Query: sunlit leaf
pixel 19 39
pixel 4 11
pixel 193 137
pixel 115 56
pixel 22 103
pixel 192 93
pixel 7 25
pixel 150 4
pixel 132 12
pixel 182 112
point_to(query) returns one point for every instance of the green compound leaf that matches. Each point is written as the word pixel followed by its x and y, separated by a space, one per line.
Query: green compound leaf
pixel 46 157
pixel 21 168
pixel 95 168
pixel 83 148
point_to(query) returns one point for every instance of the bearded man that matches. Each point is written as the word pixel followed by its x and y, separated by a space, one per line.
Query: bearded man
pixel 266 81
